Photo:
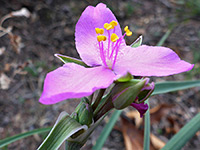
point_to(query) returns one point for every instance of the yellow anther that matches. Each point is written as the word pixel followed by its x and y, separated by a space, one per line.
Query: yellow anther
pixel 128 32
pixel 107 26
pixel 113 23
pixel 114 37
pixel 126 28
pixel 101 38
pixel 99 31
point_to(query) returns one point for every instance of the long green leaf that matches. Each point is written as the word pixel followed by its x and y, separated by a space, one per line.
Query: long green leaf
pixel 184 135
pixel 106 131
pixel 147 129
pixel 17 137
pixel 170 86
pixel 64 127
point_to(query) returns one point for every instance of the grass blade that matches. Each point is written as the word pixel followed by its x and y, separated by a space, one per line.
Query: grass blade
pixel 184 135
pixel 170 86
pixel 106 131
pixel 17 137
pixel 147 129
pixel 164 37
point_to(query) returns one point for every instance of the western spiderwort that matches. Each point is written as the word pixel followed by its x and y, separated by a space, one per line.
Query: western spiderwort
pixel 101 45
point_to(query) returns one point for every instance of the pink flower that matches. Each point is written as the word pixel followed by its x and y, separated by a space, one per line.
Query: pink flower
pixel 101 45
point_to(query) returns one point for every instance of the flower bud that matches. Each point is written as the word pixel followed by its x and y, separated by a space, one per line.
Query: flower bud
pixel 83 112
pixel 146 91
pixel 124 93
pixel 85 115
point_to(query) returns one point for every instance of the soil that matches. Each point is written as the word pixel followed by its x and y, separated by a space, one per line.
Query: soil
pixel 50 30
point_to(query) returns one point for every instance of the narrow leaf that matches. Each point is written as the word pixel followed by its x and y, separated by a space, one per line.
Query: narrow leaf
pixel 17 137
pixel 170 86
pixel 64 127
pixel 67 59
pixel 106 131
pixel 164 37
pixel 147 129
pixel 184 135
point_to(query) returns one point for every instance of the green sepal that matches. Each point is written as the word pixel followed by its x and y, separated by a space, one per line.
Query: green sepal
pixel 138 42
pixel 125 78
pixel 67 59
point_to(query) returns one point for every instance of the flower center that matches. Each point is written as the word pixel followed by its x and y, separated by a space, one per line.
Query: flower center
pixel 109 45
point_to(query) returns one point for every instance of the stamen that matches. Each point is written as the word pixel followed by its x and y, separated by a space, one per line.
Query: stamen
pixel 126 28
pixel 113 48
pixel 113 23
pixel 108 51
pixel 101 38
pixel 128 33
pixel 117 45
pixel 102 55
pixel 114 37
pixel 99 30
pixel 107 26
pixel 117 50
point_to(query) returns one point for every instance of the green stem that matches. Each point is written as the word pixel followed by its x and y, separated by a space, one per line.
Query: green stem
pixel 98 99
pixel 103 109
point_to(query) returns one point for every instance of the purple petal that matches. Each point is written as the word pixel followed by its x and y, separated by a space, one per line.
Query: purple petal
pixel 151 61
pixel 142 108
pixel 74 81
pixel 85 35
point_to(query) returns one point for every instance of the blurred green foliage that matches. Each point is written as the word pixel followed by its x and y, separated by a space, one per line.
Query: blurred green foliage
pixel 35 69
pixel 188 8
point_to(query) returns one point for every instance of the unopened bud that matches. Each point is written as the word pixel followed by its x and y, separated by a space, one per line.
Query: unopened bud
pixel 83 112
pixel 124 93
pixel 85 115
pixel 146 91
pixel 84 100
